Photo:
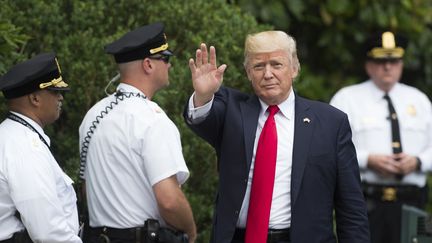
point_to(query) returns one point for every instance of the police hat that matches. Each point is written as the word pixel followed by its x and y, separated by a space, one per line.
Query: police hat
pixel 38 73
pixel 385 45
pixel 140 43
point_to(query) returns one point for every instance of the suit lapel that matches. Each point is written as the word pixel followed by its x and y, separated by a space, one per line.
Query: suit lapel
pixel 303 130
pixel 249 112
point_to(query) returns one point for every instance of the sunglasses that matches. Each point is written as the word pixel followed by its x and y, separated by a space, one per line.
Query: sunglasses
pixel 164 58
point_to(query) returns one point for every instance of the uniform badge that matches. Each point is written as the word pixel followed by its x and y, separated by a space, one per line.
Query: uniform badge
pixel 411 110
pixel 158 110
pixel 35 143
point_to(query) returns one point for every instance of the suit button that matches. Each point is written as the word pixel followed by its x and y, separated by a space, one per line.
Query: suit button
pixel 245 180
pixel 236 212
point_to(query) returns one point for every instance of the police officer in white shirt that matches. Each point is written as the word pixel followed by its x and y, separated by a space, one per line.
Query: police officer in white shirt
pixel 392 132
pixel 131 152
pixel 36 196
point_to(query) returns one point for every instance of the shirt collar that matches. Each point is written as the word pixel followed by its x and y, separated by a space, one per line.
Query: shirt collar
pixel 35 125
pixel 286 107
pixel 127 88
pixel 378 94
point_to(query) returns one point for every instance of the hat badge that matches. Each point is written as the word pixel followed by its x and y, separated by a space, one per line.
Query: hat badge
pixel 388 40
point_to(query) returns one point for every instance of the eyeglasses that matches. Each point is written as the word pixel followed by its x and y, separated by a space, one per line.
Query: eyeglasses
pixel 164 58
pixel 387 60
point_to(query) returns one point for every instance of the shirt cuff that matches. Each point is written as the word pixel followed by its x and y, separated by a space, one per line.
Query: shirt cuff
pixel 198 113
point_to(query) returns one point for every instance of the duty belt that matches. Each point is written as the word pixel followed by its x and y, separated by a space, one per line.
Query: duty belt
pixel 391 193
pixel 106 233
pixel 139 234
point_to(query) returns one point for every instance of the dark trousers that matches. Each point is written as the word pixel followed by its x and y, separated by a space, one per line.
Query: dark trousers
pixel 7 241
pixel 385 216
pixel 19 237
pixel 385 223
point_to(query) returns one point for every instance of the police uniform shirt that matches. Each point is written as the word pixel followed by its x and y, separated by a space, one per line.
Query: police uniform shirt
pixel 32 183
pixel 368 115
pixel 134 147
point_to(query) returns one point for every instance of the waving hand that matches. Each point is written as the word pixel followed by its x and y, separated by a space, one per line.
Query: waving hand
pixel 206 76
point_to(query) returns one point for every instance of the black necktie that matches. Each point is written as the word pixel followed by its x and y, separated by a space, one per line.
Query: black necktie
pixel 396 142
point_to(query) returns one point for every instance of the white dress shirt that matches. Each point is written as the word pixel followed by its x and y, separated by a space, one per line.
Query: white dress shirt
pixel 280 212
pixel 368 115
pixel 32 183
pixel 134 147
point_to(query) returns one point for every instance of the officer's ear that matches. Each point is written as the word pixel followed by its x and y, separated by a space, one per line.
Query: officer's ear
pixel 34 98
pixel 147 65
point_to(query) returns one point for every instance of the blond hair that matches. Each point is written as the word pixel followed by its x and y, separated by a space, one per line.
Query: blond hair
pixel 269 41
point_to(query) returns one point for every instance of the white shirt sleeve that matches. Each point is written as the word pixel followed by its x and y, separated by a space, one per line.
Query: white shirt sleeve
pixel 339 101
pixel 162 151
pixel 426 155
pixel 33 189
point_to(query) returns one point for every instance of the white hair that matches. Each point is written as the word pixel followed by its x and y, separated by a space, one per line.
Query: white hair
pixel 270 41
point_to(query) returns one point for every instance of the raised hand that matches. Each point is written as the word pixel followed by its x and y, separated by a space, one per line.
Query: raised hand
pixel 206 76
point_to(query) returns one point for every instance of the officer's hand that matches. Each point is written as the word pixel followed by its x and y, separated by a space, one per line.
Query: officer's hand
pixel 206 76
pixel 406 163
pixel 385 165
pixel 192 237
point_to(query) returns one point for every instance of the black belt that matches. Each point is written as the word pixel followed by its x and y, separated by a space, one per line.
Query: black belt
pixel 273 235
pixel 390 193
pixel 118 233
pixel 7 241
pixel 137 234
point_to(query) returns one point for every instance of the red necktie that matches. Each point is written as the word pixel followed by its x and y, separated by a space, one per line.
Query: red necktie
pixel 262 182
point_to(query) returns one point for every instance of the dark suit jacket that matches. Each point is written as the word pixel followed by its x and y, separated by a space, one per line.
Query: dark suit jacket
pixel 325 173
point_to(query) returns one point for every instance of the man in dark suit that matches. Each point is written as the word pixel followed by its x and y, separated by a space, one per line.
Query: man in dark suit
pixel 286 164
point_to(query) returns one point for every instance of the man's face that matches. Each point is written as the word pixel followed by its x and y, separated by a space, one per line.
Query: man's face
pixel 163 66
pixel 385 73
pixel 50 105
pixel 271 75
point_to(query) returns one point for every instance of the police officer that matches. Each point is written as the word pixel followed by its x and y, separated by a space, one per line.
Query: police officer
pixel 131 151
pixel 35 194
pixel 392 132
